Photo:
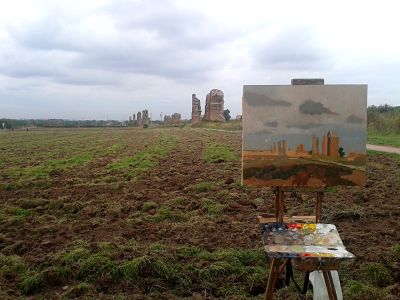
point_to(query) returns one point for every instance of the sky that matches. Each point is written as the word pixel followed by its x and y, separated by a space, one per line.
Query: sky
pixel 297 113
pixel 103 59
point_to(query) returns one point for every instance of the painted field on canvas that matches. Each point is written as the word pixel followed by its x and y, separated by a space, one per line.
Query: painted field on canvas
pixel 304 135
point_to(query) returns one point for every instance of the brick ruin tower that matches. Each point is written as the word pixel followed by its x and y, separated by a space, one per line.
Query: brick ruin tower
pixel 215 106
pixel 196 109
pixel 145 117
pixel 139 118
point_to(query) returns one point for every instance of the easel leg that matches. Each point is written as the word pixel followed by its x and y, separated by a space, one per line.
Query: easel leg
pixel 273 274
pixel 329 285
pixel 306 281
pixel 318 207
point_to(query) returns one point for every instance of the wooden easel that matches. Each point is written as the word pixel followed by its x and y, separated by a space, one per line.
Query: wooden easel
pixel 277 265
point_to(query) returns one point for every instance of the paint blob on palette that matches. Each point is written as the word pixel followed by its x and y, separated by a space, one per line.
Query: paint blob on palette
pixel 304 135
pixel 292 240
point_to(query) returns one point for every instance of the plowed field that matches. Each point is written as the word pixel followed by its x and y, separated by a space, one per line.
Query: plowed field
pixel 161 214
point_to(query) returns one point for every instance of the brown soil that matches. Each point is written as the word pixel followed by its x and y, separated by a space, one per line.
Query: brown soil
pixel 368 219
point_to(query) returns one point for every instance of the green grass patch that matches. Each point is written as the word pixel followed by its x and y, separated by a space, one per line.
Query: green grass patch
pixel 32 282
pixel 391 155
pixel 11 266
pixel 165 213
pixel 390 139
pixel 356 290
pixel 217 153
pixel 204 186
pixel 376 274
pixel 146 159
pixel 146 206
pixel 54 165
pixel 211 207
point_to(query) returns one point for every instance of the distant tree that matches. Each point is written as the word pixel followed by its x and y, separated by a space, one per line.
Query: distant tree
pixel 341 152
pixel 227 114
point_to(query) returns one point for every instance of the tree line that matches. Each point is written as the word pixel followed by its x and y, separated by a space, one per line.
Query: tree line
pixel 54 123
pixel 384 119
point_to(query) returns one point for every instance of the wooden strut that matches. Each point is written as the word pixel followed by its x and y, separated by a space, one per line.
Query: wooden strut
pixel 278 265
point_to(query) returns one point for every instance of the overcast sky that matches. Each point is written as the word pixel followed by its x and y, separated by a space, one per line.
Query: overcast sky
pixel 107 59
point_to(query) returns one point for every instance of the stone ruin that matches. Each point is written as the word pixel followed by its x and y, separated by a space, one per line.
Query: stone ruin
pixel 214 110
pixel 139 118
pixel 145 117
pixel 196 109
pixel 174 119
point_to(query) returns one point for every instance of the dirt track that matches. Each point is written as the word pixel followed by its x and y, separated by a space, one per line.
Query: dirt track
pixel 382 148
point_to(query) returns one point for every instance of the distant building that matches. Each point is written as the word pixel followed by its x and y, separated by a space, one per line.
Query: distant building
pixel 145 117
pixel 214 110
pixel 196 109
pixel 139 118
pixel 176 117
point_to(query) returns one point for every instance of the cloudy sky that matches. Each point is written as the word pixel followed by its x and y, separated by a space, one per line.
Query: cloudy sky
pixel 98 59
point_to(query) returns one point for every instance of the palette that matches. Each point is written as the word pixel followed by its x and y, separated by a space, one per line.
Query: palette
pixel 298 240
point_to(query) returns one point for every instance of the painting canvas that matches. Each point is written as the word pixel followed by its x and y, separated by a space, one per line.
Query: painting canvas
pixel 304 135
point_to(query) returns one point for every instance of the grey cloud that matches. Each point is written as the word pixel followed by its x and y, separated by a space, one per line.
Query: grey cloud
pixel 271 124
pixel 184 27
pixel 294 48
pixel 315 108
pixel 257 100
pixel 152 38
pixel 353 119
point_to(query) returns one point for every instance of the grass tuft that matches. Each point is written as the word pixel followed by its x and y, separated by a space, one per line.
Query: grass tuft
pixel 211 207
pixel 217 153
pixel 376 274
pixel 149 206
pixel 204 186
pixel 355 290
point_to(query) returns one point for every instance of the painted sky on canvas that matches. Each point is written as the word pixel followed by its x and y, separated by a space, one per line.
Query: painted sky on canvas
pixel 98 59
pixel 295 113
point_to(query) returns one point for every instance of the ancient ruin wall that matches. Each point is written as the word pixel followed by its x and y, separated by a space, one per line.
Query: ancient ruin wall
pixel 196 109
pixel 215 106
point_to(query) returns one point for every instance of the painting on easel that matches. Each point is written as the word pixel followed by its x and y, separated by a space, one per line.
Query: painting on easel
pixel 304 135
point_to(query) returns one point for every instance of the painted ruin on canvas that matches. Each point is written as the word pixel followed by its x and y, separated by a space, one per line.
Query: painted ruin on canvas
pixel 304 135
